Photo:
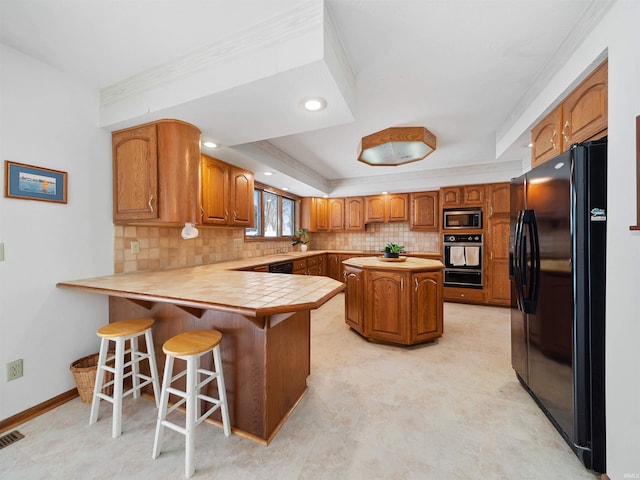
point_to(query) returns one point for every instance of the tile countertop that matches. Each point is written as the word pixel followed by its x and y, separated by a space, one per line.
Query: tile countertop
pixel 408 264
pixel 215 287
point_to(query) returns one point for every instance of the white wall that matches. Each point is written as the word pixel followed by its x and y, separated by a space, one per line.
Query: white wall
pixel 619 33
pixel 49 119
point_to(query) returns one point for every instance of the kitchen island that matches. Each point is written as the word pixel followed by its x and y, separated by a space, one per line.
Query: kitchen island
pixel 264 319
pixel 394 300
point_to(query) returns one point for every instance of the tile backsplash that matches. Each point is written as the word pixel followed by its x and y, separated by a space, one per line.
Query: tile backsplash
pixel 163 247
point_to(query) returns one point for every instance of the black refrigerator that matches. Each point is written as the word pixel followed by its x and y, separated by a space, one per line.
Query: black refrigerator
pixel 557 269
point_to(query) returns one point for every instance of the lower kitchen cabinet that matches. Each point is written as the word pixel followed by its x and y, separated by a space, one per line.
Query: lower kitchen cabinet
pixel 464 295
pixel 394 306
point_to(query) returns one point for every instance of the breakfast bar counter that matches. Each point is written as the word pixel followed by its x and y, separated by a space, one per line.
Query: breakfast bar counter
pixel 264 319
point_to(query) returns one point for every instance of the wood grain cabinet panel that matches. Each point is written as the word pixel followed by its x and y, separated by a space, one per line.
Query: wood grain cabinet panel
pixel 354 298
pixel 336 214
pixel 426 310
pixel 546 139
pixel 424 211
pixel 226 194
pixel 375 209
pixel 385 309
pixel 149 185
pixel 354 214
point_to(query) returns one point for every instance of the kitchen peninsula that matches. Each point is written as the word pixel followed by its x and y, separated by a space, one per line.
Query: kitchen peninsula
pixel 264 319
pixel 394 301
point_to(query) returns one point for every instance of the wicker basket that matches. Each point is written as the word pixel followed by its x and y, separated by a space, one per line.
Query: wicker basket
pixel 84 372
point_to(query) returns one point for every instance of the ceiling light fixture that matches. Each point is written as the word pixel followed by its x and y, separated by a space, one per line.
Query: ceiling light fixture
pixel 315 104
pixel 268 174
pixel 210 144
pixel 396 146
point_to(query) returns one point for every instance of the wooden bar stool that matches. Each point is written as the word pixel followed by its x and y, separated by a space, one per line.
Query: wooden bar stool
pixel 191 346
pixel 119 333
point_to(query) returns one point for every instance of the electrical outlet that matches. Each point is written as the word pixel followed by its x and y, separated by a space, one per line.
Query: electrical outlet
pixel 135 247
pixel 14 370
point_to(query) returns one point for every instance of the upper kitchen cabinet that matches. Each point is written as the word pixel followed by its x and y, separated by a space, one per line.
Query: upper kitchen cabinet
pixel 386 208
pixel 584 111
pixel 156 173
pixel 314 214
pixel 354 214
pixel 580 117
pixel 462 196
pixel 546 141
pixel 227 194
pixel 424 211
pixel 336 214
pixel 499 199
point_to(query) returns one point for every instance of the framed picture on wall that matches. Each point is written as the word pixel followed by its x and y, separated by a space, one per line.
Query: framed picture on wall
pixel 34 183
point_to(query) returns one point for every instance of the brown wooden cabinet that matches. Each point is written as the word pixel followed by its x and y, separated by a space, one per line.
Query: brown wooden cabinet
pixel 462 196
pixel 386 208
pixel 546 140
pixel 336 214
pixel 396 306
pixel 314 214
pixel 156 173
pixel 498 285
pixel 300 266
pixel 354 214
pixel 334 266
pixel 424 211
pixel 227 194
pixel 581 116
pixel 354 298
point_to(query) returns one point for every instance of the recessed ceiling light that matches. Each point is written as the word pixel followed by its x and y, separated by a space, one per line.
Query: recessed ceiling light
pixel 313 104
pixel 210 144
pixel 268 174
pixel 530 145
pixel 384 193
pixel 286 189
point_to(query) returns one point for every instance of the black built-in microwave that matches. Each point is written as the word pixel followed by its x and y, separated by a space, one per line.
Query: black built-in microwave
pixel 462 218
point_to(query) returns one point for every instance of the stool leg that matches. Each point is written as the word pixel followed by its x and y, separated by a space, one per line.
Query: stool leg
pixel 153 366
pixel 135 366
pixel 190 424
pixel 117 389
pixel 222 391
pixel 97 388
pixel 164 401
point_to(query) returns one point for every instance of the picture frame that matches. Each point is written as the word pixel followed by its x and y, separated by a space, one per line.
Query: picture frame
pixel 30 182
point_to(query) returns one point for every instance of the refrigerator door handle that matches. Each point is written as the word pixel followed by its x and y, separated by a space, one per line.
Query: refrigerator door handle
pixel 517 261
pixel 531 300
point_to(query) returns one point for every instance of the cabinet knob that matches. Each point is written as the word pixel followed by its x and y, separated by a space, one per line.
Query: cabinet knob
pixel 553 143
pixel 416 283
pixel 226 214
pixel 150 204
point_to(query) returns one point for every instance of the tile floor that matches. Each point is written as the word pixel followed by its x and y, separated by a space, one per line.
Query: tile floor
pixel 448 410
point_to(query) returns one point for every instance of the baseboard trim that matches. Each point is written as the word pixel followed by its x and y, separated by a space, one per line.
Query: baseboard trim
pixel 37 410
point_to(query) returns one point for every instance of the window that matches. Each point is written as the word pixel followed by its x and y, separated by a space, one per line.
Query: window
pixel 274 214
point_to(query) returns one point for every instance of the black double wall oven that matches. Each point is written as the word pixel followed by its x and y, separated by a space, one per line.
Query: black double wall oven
pixel 462 258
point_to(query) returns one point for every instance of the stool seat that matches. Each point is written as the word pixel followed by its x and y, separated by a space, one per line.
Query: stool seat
pixel 124 328
pixel 192 343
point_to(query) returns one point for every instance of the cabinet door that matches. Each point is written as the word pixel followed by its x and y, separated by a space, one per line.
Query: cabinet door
pixel 451 196
pixel 386 306
pixel 354 298
pixel 499 291
pixel 135 174
pixel 474 194
pixel 424 211
pixel 354 214
pixel 374 209
pixel 397 207
pixel 336 214
pixel 584 112
pixel 426 309
pixel 322 214
pixel 241 205
pixel 322 265
pixel 546 139
pixel 215 191
pixel 499 197
pixel 334 267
